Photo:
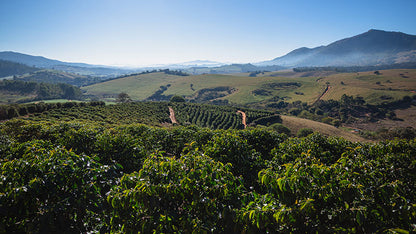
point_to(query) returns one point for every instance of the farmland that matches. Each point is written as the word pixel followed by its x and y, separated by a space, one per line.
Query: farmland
pixel 74 175
pixel 127 167
pixel 388 84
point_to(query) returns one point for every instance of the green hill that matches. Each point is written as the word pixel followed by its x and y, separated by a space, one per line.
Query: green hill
pixel 238 89
pixel 8 68
pixel 266 88
pixel 12 91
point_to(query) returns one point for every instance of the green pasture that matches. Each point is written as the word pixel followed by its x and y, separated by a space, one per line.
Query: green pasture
pixel 392 84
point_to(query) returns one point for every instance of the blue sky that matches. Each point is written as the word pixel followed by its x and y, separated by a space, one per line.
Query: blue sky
pixel 138 32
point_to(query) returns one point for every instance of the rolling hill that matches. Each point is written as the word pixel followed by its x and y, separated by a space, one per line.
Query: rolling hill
pixel 264 89
pixel 79 68
pixel 374 47
pixel 8 68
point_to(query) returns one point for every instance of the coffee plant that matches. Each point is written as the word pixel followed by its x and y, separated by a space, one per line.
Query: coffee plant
pixel 93 169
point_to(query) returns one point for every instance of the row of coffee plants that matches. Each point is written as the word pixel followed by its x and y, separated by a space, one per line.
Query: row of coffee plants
pixel 220 117
pixel 150 113
pixel 86 177
pixel 17 110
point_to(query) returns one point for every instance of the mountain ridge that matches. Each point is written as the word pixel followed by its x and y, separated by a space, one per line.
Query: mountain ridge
pixel 374 47
pixel 371 48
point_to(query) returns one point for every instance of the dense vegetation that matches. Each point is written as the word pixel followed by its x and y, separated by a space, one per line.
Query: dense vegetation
pixel 151 113
pixel 83 177
pixel 35 109
pixel 348 109
pixel 55 77
pixel 8 68
pixel 39 91
pixel 220 117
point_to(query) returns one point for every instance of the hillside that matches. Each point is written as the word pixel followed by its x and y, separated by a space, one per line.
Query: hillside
pixel 295 124
pixel 80 68
pixel 374 87
pixel 265 89
pixel 13 91
pixel 149 113
pixel 8 68
pixel 54 77
pixel 374 47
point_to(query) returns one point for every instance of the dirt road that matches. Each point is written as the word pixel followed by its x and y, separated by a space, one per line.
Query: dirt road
pixel 172 115
pixel 244 118
pixel 325 92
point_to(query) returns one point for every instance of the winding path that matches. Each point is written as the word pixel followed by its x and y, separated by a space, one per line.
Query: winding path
pixel 172 115
pixel 324 93
pixel 244 118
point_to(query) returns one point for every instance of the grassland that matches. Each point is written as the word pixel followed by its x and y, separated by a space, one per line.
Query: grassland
pixel 294 124
pixel 388 85
pixel 142 86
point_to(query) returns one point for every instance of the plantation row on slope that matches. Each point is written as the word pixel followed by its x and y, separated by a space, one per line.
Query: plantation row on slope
pixel 85 177
pixel 151 113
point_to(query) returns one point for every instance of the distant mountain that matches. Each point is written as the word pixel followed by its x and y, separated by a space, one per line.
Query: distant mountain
pixel 197 63
pixel 375 47
pixel 79 68
pixel 36 61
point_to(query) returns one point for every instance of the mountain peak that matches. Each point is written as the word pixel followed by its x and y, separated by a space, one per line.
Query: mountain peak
pixel 373 47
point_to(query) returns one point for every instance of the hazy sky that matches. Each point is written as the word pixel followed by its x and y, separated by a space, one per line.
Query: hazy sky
pixel 138 32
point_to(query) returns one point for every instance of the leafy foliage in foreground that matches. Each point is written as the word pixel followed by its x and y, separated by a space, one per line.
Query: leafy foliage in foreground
pixel 78 177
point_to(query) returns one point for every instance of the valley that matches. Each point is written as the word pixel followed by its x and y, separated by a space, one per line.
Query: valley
pixel 318 140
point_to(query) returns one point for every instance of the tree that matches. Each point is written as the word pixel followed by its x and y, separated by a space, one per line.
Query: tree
pixel 177 98
pixel 303 132
pixel 123 97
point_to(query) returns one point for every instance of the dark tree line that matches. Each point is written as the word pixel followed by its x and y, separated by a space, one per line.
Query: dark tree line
pixel 346 110
pixel 8 68
pixel 58 77
pixel 41 90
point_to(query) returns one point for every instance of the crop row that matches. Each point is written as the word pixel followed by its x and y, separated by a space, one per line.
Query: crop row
pixel 151 113
pixel 216 117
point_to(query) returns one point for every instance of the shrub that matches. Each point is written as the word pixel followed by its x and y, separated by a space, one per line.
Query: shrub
pixel 52 190
pixel 191 194
pixel 303 132
pixel 177 98
pixel 280 128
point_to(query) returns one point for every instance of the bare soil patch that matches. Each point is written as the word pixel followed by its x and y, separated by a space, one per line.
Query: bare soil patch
pixel 172 115
pixel 244 120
